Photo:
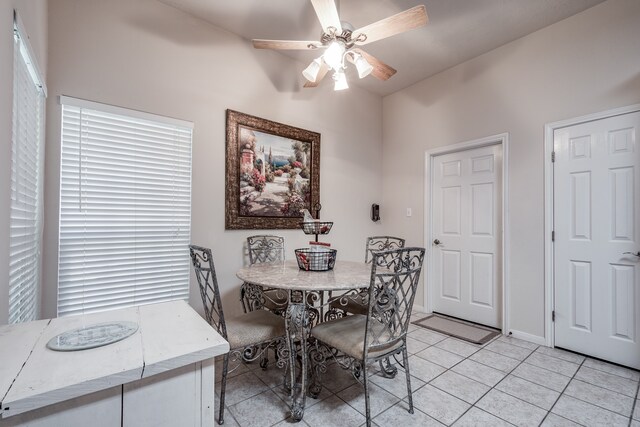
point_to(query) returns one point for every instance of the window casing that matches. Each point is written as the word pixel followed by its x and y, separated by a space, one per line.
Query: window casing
pixel 27 167
pixel 125 208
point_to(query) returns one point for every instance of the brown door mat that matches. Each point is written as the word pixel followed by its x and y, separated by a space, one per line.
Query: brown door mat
pixel 457 328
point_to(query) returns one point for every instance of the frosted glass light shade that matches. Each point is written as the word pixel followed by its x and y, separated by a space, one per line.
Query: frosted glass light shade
pixel 333 55
pixel 341 80
pixel 311 72
pixel 363 66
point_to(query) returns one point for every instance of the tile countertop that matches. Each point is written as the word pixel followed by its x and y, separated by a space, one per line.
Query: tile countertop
pixel 170 335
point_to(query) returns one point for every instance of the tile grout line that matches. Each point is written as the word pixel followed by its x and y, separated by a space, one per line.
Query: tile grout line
pixel 452 366
pixel 259 379
pixel 358 411
pixel 442 349
pixel 403 401
pixel 511 372
pixel 507 338
pixel 512 358
pixel 595 404
pixel 425 382
pixel 533 382
pixel 577 379
pixel 611 373
pixel 491 388
pixel 611 391
pixel 480 363
pixel 635 404
pixel 228 407
pixel 562 394
pixel 564 389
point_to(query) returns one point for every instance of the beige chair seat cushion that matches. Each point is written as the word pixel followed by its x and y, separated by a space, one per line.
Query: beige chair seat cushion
pixel 254 327
pixel 347 335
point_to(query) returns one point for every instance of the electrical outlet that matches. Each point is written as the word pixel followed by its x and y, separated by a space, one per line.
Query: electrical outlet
pixel 409 212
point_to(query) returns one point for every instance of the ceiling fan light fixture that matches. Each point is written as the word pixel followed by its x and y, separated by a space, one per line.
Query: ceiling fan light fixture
pixel 340 80
pixel 311 72
pixel 363 66
pixel 340 38
pixel 334 54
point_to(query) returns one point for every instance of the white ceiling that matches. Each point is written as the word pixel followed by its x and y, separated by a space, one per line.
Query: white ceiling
pixel 458 30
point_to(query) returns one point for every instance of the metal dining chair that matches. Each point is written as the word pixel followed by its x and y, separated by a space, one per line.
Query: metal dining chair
pixel 381 243
pixel 250 335
pixel 358 340
pixel 264 249
pixel 357 304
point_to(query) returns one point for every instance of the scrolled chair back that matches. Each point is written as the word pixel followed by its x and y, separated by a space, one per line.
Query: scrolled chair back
pixel 381 243
pixel 265 249
pixel 202 261
pixel 394 280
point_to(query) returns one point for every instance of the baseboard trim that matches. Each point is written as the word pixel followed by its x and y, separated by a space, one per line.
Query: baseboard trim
pixel 528 337
pixel 419 308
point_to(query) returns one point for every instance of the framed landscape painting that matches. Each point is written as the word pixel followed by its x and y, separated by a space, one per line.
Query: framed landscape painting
pixel 272 173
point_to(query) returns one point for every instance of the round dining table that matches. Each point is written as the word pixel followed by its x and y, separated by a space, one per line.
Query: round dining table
pixel 312 297
pixel 287 275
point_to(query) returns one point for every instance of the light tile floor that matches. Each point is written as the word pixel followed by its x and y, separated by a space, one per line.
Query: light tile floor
pixel 505 382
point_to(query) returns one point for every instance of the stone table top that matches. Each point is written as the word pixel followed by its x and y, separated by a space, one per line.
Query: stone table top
pixel 345 275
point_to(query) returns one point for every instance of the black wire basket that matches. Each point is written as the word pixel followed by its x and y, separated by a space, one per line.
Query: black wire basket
pixel 316 260
pixel 316 227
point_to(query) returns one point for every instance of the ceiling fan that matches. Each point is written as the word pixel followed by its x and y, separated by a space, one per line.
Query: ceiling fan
pixel 341 41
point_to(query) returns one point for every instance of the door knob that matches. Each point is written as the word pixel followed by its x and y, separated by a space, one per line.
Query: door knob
pixel 436 242
pixel 629 253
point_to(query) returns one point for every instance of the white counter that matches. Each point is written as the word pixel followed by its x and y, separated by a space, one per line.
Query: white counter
pixel 173 345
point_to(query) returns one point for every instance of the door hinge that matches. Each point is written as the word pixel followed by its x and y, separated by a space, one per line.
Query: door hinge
pixel 553 156
pixel 553 236
pixel 553 316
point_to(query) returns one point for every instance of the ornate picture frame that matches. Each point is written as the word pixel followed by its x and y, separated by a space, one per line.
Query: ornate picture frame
pixel 272 173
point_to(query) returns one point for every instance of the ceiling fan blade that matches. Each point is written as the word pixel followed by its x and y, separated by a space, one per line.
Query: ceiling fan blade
pixel 327 14
pixel 381 71
pixel 396 24
pixel 286 44
pixel 323 72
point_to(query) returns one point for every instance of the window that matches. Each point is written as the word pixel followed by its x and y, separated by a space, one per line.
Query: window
pixel 25 235
pixel 125 208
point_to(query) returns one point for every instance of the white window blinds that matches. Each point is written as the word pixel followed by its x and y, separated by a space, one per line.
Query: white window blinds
pixel 25 235
pixel 125 208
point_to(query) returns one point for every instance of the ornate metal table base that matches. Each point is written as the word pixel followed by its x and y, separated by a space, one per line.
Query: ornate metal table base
pixel 310 297
pixel 305 309
pixel 298 327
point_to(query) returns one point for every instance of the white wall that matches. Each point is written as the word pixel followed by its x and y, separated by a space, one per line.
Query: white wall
pixel 148 56
pixel 587 63
pixel 33 14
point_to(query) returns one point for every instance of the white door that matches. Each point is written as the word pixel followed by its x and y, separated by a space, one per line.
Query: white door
pixel 596 220
pixel 467 235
